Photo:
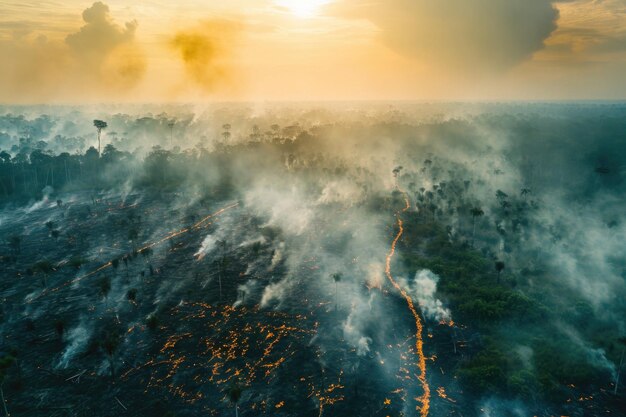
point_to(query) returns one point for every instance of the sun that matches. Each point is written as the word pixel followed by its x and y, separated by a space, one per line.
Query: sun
pixel 302 8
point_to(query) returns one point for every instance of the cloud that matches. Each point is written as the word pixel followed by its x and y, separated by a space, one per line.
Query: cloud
pixel 36 68
pixel 105 50
pixel 481 35
pixel 205 51
pixel 100 35
pixel 99 57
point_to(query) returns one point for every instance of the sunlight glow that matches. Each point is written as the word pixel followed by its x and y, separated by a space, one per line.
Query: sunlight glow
pixel 302 8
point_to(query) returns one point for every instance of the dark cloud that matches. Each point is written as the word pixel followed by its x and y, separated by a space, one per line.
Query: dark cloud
pixel 205 51
pixel 466 35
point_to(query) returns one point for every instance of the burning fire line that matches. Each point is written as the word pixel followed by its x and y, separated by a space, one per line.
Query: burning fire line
pixel 169 236
pixel 419 343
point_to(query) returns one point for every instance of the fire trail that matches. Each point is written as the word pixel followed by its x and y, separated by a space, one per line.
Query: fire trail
pixel 424 399
pixel 200 224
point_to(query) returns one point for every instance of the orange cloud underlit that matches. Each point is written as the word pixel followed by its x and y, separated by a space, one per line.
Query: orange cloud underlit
pixel 312 50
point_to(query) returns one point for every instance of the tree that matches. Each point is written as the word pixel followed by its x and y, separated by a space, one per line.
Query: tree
pixel 131 295
pixel 110 154
pixel 396 171
pixel 91 156
pixel 621 362
pixel 275 130
pixel 133 235
pixel 256 133
pixel 525 192
pixel 152 322
pixel 234 394
pixel 105 287
pixel 5 362
pixel 46 268
pixel 15 243
pixel 109 343
pixel 99 124
pixel 222 263
pixel 59 326
pixel 226 133
pixel 499 268
pixel 501 195
pixel 157 165
pixel 336 277
pixel 475 212
pixel 171 126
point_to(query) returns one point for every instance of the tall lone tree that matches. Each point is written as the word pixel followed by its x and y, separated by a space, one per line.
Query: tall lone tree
pixel 99 124
pixel 475 212
pixel 336 277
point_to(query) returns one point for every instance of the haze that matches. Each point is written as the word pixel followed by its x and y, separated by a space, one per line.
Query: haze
pixel 311 50
pixel 313 208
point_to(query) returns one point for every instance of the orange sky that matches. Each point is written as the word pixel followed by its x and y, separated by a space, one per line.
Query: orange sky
pixel 310 50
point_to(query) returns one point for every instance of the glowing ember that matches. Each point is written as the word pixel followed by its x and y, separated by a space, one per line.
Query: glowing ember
pixel 419 343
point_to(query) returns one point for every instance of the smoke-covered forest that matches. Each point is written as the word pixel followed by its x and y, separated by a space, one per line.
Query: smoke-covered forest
pixel 380 259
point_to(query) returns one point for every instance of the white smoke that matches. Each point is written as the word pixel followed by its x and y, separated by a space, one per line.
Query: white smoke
pixel 278 256
pixel 375 275
pixel 595 356
pixel 208 245
pixel 343 192
pixel 77 340
pixel 45 200
pixel 246 291
pixel 356 324
pixel 275 293
pixel 284 207
pixel 423 289
pixel 494 407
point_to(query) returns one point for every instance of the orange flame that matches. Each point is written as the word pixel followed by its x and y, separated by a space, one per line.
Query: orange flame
pixel 424 399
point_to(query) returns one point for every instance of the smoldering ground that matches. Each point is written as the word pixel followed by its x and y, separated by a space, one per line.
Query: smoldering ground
pixel 514 243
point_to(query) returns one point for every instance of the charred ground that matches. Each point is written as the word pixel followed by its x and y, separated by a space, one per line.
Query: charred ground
pixel 172 281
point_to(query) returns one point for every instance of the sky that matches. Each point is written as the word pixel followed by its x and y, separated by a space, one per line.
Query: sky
pixel 77 51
